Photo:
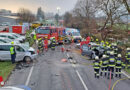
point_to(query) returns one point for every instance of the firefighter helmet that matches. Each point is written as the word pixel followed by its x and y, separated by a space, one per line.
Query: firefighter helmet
pixel 128 48
pixel 104 56
pixel 12 43
pixel 119 55
pixel 96 58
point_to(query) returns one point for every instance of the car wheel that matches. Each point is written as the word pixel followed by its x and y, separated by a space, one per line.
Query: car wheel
pixel 27 59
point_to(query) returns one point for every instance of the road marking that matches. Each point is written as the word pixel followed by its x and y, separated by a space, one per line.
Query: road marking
pixel 84 85
pixel 29 76
pixel 117 82
pixel 77 72
pixel 125 74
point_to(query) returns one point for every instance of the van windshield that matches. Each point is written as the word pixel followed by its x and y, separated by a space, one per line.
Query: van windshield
pixel 76 34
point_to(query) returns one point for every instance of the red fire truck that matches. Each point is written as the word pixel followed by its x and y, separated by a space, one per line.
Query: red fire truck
pixel 49 32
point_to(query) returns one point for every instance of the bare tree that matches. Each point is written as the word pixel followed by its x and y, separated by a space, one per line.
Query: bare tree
pixel 67 18
pixel 113 10
pixel 25 15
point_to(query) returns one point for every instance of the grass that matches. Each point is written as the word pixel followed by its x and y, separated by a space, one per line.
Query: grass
pixel 127 70
pixel 6 68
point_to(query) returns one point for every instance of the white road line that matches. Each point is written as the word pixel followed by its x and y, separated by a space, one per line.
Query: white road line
pixel 84 85
pixel 29 76
pixel 125 74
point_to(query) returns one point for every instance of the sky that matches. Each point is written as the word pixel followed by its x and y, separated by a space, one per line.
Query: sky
pixel 47 5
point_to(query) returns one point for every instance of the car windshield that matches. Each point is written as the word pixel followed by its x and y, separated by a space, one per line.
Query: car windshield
pixel 15 35
pixel 3 41
pixel 11 37
pixel 43 31
pixel 76 34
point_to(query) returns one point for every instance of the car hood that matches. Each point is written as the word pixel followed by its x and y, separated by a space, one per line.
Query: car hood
pixel 77 37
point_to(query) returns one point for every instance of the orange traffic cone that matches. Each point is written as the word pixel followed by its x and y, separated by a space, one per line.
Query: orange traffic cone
pixel 1 81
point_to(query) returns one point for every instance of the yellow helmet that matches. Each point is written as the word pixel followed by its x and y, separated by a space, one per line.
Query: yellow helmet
pixel 107 43
pixel 12 42
pixel 96 39
pixel 102 41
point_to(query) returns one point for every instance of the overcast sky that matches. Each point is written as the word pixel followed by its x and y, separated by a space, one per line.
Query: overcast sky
pixel 47 5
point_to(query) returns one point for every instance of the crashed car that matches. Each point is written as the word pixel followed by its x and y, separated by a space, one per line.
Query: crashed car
pixel 92 50
pixel 23 52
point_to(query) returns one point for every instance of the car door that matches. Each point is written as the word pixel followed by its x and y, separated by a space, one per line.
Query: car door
pixel 20 53
pixel 85 49
pixel 5 52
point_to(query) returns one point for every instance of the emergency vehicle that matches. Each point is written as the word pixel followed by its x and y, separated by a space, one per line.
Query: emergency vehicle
pixel 50 32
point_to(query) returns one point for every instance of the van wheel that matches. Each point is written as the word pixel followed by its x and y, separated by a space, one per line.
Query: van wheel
pixel 27 59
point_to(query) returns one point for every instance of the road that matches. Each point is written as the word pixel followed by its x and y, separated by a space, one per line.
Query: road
pixel 50 73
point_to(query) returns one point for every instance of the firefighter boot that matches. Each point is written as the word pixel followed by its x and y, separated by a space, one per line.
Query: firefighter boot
pixel 119 75
pixel 116 75
pixel 105 74
pixel 101 74
pixel 111 76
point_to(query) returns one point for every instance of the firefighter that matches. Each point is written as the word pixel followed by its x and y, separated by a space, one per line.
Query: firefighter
pixel 104 65
pixel 13 53
pixel 46 43
pixel 53 43
pixel 128 57
pixel 102 43
pixel 97 41
pixel 111 64
pixel 96 67
pixel 119 65
pixel 35 38
pixel 108 50
pixel 115 48
pixel 40 45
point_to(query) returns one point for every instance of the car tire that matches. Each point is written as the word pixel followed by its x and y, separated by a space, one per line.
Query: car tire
pixel 27 59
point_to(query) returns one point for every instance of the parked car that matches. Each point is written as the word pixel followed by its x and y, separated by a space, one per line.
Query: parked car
pixel 22 52
pixel 11 37
pixel 20 37
pixel 92 50
pixel 4 40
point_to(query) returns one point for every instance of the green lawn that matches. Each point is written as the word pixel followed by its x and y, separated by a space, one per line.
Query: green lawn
pixel 6 68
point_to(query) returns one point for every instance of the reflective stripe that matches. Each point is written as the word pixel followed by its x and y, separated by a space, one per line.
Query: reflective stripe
pixel 12 50
pixel 112 65
pixel 112 60
pixel 96 67
pixel 96 64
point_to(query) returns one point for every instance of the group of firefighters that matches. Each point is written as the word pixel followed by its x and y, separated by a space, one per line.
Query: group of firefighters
pixel 111 61
pixel 42 44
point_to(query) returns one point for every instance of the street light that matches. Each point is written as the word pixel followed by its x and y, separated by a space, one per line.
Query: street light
pixel 58 9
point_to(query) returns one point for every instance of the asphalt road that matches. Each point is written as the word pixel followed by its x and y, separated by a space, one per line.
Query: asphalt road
pixel 50 73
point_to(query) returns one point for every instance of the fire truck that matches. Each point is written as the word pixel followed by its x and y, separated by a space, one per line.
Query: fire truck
pixel 49 32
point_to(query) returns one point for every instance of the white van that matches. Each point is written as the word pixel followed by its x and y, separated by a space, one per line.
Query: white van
pixel 22 52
